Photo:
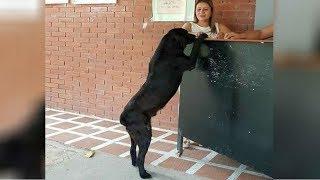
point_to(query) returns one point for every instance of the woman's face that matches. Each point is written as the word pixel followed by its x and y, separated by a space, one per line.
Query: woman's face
pixel 203 11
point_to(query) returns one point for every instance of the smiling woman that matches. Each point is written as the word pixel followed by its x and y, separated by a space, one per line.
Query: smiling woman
pixel 203 21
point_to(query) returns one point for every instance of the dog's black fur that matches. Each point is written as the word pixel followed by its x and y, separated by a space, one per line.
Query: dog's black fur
pixel 165 74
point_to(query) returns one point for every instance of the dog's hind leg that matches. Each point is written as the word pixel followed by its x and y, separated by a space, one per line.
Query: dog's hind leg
pixel 133 152
pixel 144 143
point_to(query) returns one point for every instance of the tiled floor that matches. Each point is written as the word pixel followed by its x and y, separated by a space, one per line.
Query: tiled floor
pixel 109 136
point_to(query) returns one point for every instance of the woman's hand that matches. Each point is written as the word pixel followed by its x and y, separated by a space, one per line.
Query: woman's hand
pixel 220 35
pixel 198 34
pixel 232 35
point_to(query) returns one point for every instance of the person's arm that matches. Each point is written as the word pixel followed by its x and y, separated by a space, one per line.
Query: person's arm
pixel 254 34
pixel 266 32
pixel 222 31
pixel 187 26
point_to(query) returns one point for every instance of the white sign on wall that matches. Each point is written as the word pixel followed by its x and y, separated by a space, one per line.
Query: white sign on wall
pixel 173 10
pixel 93 1
pixel 171 6
pixel 56 1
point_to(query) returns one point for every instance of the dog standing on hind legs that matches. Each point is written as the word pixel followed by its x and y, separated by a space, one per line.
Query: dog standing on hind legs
pixel 166 68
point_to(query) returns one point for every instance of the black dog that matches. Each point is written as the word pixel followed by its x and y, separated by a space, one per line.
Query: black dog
pixel 165 74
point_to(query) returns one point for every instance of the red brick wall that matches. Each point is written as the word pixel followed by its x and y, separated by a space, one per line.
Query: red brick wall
pixel 238 15
pixel 97 55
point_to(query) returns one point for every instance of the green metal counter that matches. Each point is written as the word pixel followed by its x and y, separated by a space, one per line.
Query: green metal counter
pixel 226 102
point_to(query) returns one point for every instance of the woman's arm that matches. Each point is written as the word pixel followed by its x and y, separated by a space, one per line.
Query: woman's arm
pixel 187 26
pixel 264 33
pixel 222 31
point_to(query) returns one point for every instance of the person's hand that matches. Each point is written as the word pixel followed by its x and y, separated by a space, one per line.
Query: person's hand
pixel 220 35
pixel 232 35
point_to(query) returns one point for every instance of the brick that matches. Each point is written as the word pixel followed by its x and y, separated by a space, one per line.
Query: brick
pixel 58 14
pixel 66 39
pixel 82 9
pixel 141 2
pixel 245 20
pixel 67 9
pixel 88 14
pixel 97 30
pixel 81 19
pixel 106 25
pixel 123 14
pixel 89 35
pixel 89 24
pixel 116 8
pixel 73 14
pixel 133 19
pixel 65 29
pixel 51 10
pixel 123 36
pixel 247 7
pixel 58 24
pixel 82 30
pixel 73 25
pixel 115 19
pixel 73 34
pixel 54 99
pixel 58 34
pixel 124 25
pixel 114 30
pixel 126 2
pixel 228 13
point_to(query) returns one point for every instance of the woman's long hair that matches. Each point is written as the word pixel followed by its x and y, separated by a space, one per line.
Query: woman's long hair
pixel 209 2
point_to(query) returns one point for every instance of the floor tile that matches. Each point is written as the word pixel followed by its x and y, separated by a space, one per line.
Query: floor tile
pixel 87 143
pixel 224 160
pixel 246 176
pixel 115 149
pixel 195 153
pixel 65 125
pixel 66 116
pixel 50 112
pixel 50 121
pixel 109 135
pixel 105 124
pixel 86 130
pixel 63 137
pixel 156 133
pixel 50 131
pixel 213 172
pixel 162 146
pixel 172 137
pixel 177 164
pixel 85 120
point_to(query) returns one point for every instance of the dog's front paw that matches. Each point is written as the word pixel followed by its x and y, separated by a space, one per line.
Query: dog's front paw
pixel 203 36
pixel 134 163
pixel 145 175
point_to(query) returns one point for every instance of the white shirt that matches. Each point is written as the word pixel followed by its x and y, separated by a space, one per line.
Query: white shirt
pixel 195 28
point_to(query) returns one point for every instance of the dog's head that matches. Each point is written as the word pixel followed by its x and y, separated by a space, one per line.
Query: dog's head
pixel 177 39
pixel 181 36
